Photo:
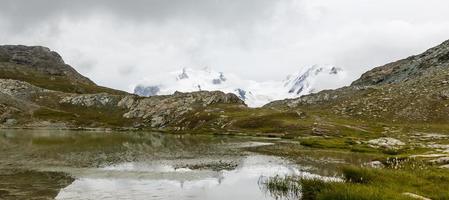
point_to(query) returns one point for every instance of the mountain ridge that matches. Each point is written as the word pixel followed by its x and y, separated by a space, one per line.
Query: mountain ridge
pixel 421 98
pixel 255 94
pixel 407 68
pixel 390 92
pixel 45 68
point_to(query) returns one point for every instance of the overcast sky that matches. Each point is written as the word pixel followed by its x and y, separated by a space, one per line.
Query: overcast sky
pixel 118 42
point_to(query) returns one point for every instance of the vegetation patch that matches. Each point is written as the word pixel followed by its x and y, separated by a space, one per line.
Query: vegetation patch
pixel 84 116
pixel 366 183
pixel 57 83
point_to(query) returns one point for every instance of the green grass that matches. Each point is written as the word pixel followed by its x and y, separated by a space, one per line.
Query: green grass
pixel 324 143
pixel 358 175
pixel 280 187
pixel 366 183
pixel 84 116
pixel 271 122
pixel 350 191
pixel 57 83
pixel 428 182
pixel 317 189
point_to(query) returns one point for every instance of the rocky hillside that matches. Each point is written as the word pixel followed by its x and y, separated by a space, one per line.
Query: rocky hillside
pixel 413 67
pixel 37 89
pixel 414 89
pixel 44 68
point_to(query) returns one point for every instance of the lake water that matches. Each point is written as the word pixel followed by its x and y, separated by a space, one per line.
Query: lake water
pixel 121 165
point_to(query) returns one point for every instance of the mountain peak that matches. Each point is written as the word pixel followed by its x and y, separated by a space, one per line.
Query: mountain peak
pixel 255 94
pixel 305 82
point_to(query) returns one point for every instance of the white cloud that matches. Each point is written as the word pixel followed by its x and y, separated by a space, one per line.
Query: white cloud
pixel 116 44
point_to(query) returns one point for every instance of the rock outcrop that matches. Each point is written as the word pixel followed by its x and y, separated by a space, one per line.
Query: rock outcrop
pixel 38 88
pixel 386 142
pixel 407 69
pixel 414 89
pixel 19 89
pixel 39 60
pixel 42 67
pixel 157 111
pixel 91 100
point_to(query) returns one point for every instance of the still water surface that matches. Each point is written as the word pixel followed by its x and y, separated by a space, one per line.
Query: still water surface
pixel 147 165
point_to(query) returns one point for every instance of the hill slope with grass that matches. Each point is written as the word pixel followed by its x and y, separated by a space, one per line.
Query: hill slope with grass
pixel 415 89
pixel 37 89
pixel 44 68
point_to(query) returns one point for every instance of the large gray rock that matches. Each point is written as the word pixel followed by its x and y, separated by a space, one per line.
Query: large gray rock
pixel 157 111
pixel 386 142
pixel 161 110
pixel 18 89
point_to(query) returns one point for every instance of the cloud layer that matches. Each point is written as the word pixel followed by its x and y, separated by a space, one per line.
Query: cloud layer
pixel 117 43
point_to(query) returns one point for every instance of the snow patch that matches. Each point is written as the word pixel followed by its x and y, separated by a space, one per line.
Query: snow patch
pixel 255 94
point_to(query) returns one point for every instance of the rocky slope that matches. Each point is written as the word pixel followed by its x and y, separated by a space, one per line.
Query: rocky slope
pixel 413 67
pixel 44 68
pixel 410 90
pixel 37 89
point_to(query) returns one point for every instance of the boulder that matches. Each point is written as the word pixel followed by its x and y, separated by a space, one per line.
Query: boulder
pixel 386 142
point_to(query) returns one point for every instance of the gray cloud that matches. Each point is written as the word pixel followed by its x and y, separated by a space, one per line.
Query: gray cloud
pixel 24 13
pixel 117 42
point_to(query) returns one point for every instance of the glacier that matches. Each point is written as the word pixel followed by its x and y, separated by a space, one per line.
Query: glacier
pixel 255 93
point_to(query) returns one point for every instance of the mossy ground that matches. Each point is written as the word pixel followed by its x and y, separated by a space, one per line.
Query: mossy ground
pixel 337 146
pixel 84 117
pixel 57 83
pixel 367 183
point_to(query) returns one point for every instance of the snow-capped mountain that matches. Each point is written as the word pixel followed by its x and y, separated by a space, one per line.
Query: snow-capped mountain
pixel 255 94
